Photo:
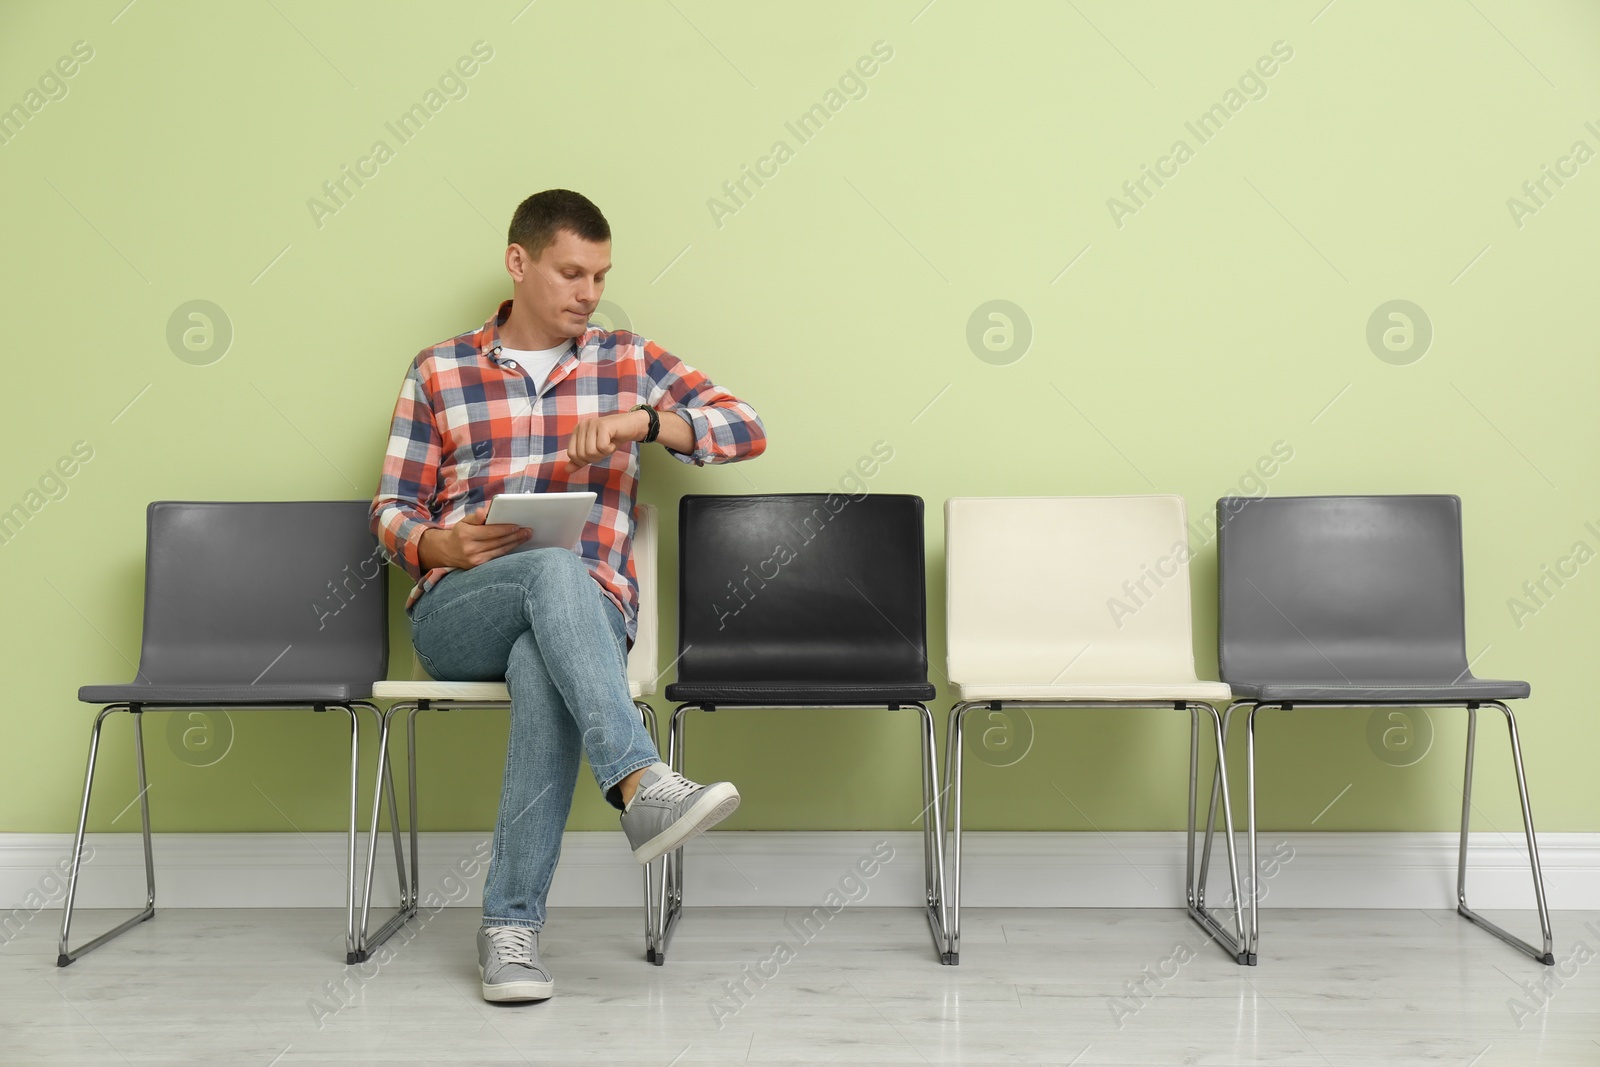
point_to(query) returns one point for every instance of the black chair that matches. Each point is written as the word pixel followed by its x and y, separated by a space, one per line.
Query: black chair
pixel 249 606
pixel 1355 602
pixel 803 600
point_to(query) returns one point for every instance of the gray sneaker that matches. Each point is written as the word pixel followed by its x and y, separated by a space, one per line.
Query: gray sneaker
pixel 508 963
pixel 668 809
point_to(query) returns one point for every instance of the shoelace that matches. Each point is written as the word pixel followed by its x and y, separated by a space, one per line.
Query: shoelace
pixel 671 787
pixel 512 944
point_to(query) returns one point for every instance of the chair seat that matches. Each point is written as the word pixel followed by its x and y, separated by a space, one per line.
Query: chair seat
pixel 243 693
pixel 1367 692
pixel 797 694
pixel 1191 689
pixel 404 689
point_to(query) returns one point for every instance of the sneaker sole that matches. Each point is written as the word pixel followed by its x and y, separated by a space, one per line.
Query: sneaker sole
pixel 719 802
pixel 503 992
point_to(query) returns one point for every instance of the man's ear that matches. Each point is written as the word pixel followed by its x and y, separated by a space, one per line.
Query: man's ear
pixel 517 261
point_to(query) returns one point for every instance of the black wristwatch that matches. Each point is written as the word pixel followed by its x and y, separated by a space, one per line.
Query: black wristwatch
pixel 655 421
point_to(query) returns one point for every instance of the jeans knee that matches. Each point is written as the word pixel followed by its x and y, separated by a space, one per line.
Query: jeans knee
pixel 543 565
pixel 556 558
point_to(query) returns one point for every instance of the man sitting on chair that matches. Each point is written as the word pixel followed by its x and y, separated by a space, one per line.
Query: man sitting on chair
pixel 538 400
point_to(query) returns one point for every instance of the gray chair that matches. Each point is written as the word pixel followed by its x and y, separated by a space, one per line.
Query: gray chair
pixel 248 606
pixel 1355 602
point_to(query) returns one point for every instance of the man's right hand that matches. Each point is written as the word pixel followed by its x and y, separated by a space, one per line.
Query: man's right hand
pixel 469 542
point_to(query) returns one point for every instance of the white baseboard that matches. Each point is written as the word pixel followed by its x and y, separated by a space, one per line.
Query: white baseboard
pixel 736 868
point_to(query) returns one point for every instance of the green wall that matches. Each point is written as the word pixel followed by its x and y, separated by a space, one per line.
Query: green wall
pixel 1222 314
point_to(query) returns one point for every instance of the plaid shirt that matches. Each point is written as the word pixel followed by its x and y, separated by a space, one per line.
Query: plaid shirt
pixel 468 426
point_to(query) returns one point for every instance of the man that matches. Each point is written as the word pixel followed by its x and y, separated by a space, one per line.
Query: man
pixel 537 400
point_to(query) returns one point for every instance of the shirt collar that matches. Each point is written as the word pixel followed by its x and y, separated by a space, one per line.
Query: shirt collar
pixel 487 339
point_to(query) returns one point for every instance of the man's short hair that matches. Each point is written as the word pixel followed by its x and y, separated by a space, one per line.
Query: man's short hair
pixel 540 217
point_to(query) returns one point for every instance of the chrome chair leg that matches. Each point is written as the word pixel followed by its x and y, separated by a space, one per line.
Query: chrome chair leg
pixel 401 878
pixel 144 812
pixel 1205 852
pixel 1250 815
pixel 928 798
pixel 1466 804
pixel 1194 789
pixel 676 743
pixel 1218 773
pixel 365 943
pixel 954 734
pixel 64 954
pixel 1547 957
pixel 380 719
pixel 408 903
pixel 1236 944
pixel 1218 785
pixel 649 715
pixel 650 912
pixel 1227 822
pixel 1219 788
pixel 944 794
pixel 352 940
pixel 933 838
pixel 412 803
pixel 1198 876
pixel 669 902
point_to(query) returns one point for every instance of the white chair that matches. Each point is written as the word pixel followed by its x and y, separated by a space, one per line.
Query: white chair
pixel 414 696
pixel 1083 603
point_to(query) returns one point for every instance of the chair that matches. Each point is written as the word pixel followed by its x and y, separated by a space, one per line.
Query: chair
pixel 248 606
pixel 413 697
pixel 1356 602
pixel 1096 617
pixel 803 600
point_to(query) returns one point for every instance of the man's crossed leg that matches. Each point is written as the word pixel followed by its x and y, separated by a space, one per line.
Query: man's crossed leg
pixel 538 620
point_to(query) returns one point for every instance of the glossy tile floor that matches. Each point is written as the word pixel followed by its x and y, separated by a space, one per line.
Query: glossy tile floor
pixel 1045 987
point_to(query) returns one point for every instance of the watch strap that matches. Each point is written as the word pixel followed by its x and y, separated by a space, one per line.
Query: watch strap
pixel 655 421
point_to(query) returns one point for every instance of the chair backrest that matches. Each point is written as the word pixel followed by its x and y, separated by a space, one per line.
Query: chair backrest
pixel 642 657
pixel 813 587
pixel 1335 589
pixel 273 592
pixel 1067 590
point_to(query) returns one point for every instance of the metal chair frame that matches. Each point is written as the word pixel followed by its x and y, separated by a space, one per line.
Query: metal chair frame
pixel 1234 944
pixel 409 875
pixel 66 955
pixel 1546 957
pixel 664 905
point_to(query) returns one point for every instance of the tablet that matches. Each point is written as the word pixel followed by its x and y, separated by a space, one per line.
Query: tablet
pixel 556 519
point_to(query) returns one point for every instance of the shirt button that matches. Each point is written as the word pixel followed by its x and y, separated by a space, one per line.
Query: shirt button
pixel 511 363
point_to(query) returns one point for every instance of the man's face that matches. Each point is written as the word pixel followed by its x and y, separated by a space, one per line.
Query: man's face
pixel 562 286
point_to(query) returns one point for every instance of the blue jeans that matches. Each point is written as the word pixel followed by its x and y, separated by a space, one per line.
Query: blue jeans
pixel 538 620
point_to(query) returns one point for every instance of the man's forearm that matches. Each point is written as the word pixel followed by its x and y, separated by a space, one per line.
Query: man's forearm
pixel 676 433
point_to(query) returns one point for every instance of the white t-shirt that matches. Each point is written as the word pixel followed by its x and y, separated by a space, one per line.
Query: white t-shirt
pixel 538 363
